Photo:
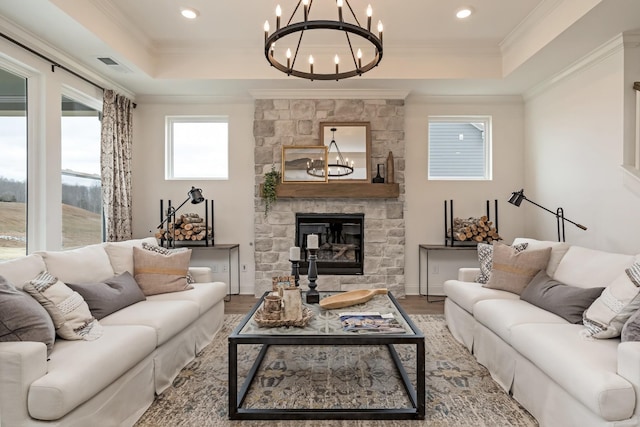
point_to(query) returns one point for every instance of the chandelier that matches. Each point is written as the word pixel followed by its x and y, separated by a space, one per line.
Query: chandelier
pixel 342 166
pixel 365 37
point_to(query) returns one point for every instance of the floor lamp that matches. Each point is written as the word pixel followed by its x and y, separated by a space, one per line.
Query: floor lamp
pixel 518 196
pixel 195 195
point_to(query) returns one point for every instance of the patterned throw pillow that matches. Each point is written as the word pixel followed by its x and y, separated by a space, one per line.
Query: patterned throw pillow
pixel 157 273
pixel 607 315
pixel 485 258
pixel 69 312
pixel 512 270
pixel 166 251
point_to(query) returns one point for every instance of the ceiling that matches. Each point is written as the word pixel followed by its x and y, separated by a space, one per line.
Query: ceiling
pixel 505 48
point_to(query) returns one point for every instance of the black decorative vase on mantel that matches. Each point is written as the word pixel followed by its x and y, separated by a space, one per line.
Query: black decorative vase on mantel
pixel 378 179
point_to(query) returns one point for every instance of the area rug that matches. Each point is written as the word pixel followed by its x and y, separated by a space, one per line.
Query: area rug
pixel 460 392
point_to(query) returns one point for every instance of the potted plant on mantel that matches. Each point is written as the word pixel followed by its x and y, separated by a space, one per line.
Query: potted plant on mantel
pixel 271 180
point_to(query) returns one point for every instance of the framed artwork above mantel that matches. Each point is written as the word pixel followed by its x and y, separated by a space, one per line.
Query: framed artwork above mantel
pixel 348 143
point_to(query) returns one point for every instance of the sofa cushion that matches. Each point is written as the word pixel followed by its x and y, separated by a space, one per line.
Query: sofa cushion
pixel 111 295
pixel 70 314
pixel 608 314
pixel 586 369
pixel 588 268
pixel 78 370
pixel 157 273
pixel 500 316
pixel 20 270
pixel 558 251
pixel 22 318
pixel 121 254
pixel 485 259
pixel 167 318
pixel 82 265
pixel 568 302
pixel 467 294
pixel 205 295
pixel 513 270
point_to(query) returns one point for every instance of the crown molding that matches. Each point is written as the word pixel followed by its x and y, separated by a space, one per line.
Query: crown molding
pixel 114 15
pixel 466 99
pixel 328 94
pixel 193 99
pixel 595 57
pixel 39 45
pixel 537 15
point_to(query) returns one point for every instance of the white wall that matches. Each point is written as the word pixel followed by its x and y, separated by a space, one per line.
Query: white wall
pixel 574 149
pixel 424 215
pixel 233 198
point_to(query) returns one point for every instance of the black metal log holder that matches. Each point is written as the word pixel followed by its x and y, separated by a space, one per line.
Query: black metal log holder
pixel 170 217
pixel 448 223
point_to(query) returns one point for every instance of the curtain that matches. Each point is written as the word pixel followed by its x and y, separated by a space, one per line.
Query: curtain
pixel 115 161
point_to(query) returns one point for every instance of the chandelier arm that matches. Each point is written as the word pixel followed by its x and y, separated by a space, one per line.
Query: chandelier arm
pixel 294 12
pixel 293 63
pixel 353 13
pixel 355 63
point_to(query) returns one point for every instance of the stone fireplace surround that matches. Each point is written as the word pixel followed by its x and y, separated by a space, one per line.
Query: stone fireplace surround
pixel 279 122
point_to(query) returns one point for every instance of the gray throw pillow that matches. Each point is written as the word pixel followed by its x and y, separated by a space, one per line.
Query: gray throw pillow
pixel 631 328
pixel 568 302
pixel 22 318
pixel 111 295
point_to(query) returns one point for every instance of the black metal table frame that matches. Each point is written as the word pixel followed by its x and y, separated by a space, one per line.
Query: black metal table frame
pixel 416 395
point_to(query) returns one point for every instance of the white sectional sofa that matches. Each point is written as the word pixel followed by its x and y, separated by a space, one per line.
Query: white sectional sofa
pixel 112 380
pixel 560 376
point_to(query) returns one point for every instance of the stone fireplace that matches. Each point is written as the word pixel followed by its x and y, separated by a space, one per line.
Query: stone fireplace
pixel 279 122
pixel 340 242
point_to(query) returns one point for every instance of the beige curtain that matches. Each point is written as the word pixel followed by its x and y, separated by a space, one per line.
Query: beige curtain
pixel 115 160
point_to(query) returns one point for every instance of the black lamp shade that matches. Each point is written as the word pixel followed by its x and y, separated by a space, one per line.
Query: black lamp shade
pixel 195 194
pixel 516 197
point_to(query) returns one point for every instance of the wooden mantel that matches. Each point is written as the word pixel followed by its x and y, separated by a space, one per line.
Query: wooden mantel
pixel 341 190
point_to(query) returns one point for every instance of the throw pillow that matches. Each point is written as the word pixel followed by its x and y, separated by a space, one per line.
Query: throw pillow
pixel 111 295
pixel 70 314
pixel 22 318
pixel 568 302
pixel 608 314
pixel 512 271
pixel 157 273
pixel 167 251
pixel 631 328
pixel 485 258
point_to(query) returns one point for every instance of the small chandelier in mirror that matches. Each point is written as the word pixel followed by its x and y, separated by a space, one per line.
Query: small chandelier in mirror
pixel 342 166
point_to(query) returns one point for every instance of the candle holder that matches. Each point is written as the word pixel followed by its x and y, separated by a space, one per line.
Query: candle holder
pixel 295 271
pixel 313 297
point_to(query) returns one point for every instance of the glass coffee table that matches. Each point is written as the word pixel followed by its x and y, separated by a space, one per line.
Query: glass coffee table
pixel 325 329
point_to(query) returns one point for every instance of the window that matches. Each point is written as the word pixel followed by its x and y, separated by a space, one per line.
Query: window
pixel 459 148
pixel 13 165
pixel 80 163
pixel 197 147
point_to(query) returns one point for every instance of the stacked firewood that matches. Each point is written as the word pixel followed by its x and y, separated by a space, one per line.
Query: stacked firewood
pixel 188 226
pixel 474 229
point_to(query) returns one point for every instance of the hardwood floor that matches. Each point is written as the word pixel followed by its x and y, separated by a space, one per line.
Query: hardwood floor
pixel 412 304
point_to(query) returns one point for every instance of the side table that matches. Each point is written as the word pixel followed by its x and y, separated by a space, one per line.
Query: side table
pixel 426 249
pixel 230 248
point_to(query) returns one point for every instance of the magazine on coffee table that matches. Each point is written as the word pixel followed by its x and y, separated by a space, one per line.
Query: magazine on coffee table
pixel 370 322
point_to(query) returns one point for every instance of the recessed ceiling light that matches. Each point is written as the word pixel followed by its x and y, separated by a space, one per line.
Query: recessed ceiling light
pixel 189 13
pixel 464 12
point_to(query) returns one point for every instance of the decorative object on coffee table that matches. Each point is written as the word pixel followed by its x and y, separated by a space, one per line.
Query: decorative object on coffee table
pixel 347 299
pixel 294 258
pixel 313 297
pixel 518 196
pixel 378 179
pixel 279 283
pixel 285 310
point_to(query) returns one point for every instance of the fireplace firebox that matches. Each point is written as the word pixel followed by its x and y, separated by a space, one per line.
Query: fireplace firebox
pixel 340 242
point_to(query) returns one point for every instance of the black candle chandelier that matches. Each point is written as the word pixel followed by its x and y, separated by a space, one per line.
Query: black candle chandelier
pixel 341 25
pixel 341 167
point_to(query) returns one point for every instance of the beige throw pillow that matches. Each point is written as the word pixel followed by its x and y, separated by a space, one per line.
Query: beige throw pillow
pixel 68 310
pixel 512 271
pixel 158 273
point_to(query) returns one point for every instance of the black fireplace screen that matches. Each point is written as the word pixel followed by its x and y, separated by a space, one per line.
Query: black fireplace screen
pixel 340 242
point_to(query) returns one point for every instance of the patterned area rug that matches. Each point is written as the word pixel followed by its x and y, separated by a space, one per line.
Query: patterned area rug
pixel 460 392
